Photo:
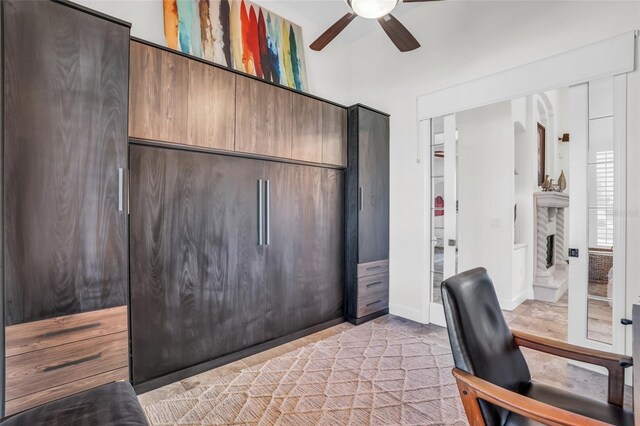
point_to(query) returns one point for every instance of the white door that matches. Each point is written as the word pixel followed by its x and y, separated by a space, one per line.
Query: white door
pixel 443 210
pixel 597 171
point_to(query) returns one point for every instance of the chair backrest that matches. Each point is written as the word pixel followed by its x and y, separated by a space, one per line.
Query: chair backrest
pixel 481 341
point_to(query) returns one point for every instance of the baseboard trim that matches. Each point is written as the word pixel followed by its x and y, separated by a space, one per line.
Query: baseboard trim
pixel 510 305
pixel 167 379
pixel 362 320
pixel 406 312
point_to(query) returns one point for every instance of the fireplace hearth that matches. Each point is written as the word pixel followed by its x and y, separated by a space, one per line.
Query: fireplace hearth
pixel 551 274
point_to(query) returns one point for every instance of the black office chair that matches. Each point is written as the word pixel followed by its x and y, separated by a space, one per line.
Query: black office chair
pixel 493 377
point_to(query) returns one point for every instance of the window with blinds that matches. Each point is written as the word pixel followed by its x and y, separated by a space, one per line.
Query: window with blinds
pixel 604 198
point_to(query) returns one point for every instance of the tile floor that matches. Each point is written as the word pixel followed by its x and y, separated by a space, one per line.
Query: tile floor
pixel 534 317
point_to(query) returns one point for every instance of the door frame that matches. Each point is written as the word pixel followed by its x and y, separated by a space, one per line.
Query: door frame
pixel 607 58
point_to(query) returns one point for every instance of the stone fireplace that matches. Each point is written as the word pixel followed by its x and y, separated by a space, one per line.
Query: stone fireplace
pixel 551 272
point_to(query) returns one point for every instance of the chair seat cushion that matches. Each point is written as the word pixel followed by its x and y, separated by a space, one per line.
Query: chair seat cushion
pixel 587 407
pixel 112 404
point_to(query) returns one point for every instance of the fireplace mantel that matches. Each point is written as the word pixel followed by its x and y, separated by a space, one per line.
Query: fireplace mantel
pixel 551 199
pixel 550 284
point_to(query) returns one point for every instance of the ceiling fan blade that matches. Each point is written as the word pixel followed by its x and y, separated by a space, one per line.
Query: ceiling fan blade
pixel 332 32
pixel 398 33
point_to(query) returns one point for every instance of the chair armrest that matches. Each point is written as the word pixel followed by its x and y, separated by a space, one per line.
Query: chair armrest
pixel 614 363
pixel 473 388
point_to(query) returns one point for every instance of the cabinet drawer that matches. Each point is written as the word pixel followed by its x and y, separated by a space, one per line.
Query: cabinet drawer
pixel 373 302
pixel 373 268
pixel 37 335
pixel 39 370
pixel 373 284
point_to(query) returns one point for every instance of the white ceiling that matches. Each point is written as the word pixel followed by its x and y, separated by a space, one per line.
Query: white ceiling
pixel 325 12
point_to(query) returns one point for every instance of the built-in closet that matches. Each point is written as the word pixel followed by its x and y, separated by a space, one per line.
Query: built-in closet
pixel 237 228
pixel 163 215
pixel 367 215
pixel 65 275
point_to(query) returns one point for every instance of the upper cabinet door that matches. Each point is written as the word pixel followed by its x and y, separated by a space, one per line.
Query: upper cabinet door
pixel 334 135
pixel 263 118
pixel 307 129
pixel 211 113
pixel 65 139
pixel 373 181
pixel 158 94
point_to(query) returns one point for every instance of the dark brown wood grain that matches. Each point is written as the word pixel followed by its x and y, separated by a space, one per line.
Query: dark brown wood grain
pixel 211 107
pixel 307 129
pixel 263 118
pixel 65 136
pixel 201 285
pixel 197 287
pixel 367 207
pixel 373 180
pixel 305 255
pixel 158 94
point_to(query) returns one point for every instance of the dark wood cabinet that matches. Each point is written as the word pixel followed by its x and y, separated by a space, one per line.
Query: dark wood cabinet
pixel 373 186
pixel 367 214
pixel 65 151
pixel 65 240
pixel 228 253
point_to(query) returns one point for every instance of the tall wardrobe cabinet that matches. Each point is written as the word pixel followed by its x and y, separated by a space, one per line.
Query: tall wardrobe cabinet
pixel 367 215
pixel 65 278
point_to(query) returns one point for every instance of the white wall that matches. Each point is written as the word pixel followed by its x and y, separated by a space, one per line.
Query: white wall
pixel 326 70
pixel 460 41
pixel 485 193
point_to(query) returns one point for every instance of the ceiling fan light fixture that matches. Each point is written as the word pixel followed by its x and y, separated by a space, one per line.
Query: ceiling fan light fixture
pixel 372 9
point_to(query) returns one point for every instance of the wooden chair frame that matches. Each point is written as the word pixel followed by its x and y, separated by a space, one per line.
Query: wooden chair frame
pixel 472 388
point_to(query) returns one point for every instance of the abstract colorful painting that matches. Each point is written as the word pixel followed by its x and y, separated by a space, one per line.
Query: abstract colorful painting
pixel 240 35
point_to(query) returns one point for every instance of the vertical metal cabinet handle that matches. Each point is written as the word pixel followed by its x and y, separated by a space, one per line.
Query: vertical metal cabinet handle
pixel 120 189
pixel 267 215
pixel 360 199
pixel 260 224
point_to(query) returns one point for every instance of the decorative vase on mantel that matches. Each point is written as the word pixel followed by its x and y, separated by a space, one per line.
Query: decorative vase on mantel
pixel 562 182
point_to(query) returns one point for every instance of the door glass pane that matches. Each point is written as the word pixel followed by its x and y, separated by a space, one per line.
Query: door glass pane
pixel 442 185
pixel 600 192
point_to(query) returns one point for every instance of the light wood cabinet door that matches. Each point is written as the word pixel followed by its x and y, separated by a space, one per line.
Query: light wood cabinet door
pixel 334 135
pixel 158 91
pixel 211 111
pixel 263 118
pixel 307 129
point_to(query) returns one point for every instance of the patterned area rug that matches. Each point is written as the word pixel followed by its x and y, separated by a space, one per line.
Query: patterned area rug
pixel 366 375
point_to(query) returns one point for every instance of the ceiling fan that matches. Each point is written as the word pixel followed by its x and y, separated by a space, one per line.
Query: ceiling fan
pixel 373 9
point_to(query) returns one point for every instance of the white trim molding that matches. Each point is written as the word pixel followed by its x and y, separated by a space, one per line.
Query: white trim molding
pixel 606 58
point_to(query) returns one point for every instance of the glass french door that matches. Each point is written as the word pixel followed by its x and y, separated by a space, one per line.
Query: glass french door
pixel 443 210
pixel 597 278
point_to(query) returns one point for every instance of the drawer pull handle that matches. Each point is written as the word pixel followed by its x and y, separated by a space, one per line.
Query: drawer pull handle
pixel 372 284
pixel 371 268
pixel 74 362
pixel 71 330
pixel 373 303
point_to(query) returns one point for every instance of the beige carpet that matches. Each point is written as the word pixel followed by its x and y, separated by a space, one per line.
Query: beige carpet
pixel 366 375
